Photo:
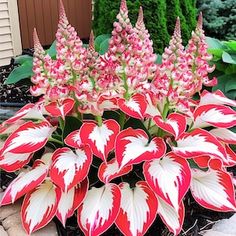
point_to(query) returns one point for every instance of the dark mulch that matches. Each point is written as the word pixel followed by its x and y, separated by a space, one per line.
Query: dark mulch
pixel 16 94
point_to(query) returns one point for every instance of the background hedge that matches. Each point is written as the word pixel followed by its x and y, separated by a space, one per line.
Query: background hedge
pixel 219 18
pixel 159 16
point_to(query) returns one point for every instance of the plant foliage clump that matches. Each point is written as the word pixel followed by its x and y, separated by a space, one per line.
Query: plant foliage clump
pixel 115 136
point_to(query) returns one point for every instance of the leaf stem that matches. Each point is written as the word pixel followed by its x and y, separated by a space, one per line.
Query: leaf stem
pixel 55 141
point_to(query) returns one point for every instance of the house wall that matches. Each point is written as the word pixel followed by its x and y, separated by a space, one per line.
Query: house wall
pixel 43 15
pixel 10 41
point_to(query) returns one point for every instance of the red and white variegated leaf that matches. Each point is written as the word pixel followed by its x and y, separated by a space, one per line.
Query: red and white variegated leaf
pixel 11 162
pixel 10 128
pixel 231 157
pixel 25 182
pixel 99 209
pixel 214 115
pixel 71 200
pixel 101 139
pixel 107 103
pixel 29 111
pixel 110 170
pixel 134 107
pixel 138 209
pixel 202 161
pixel 74 139
pixel 40 206
pixel 69 168
pixel 224 135
pixel 28 138
pixel 197 143
pixel 172 219
pixel 151 110
pixel 133 147
pixel 216 164
pixel 60 110
pixel 216 97
pixel 174 124
pixel 173 188
pixel 213 189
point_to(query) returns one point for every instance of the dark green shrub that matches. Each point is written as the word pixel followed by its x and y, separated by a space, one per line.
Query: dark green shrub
pixel 159 17
pixel 219 18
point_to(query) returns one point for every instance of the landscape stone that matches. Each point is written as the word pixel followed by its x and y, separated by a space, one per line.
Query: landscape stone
pixel 8 210
pixel 2 231
pixel 10 223
pixel 216 233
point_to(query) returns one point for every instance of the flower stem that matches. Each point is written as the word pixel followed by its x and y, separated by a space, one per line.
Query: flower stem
pixel 164 115
pixel 99 120
pixel 122 120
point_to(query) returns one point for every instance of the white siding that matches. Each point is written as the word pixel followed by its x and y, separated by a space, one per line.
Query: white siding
pixel 10 42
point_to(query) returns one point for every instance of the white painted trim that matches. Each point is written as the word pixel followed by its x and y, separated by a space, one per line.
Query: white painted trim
pixel 15 27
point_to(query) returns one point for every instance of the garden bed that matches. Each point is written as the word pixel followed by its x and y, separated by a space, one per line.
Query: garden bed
pixel 197 218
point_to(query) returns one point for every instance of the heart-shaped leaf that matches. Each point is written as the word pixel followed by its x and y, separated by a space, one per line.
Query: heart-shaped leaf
pixel 213 189
pixel 101 139
pixel 40 206
pixel 69 168
pixel 138 209
pixel 173 188
pixel 133 147
pixel 99 209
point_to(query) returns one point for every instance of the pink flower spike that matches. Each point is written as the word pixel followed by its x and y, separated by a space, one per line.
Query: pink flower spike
pixel 123 6
pixel 38 49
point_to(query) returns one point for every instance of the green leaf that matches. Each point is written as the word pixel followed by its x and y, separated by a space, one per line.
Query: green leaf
pixel 98 41
pixel 231 44
pixel 226 57
pixel 111 115
pixel 22 72
pixel 214 43
pixel 52 50
pixel 231 84
pixel 231 94
pixel 104 46
pixel 71 124
pixel 159 59
pixel 24 58
pixel 216 52
pixel 221 66
pixel 231 69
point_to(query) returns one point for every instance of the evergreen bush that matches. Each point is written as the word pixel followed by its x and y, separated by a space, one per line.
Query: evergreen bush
pixel 159 15
pixel 219 18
